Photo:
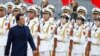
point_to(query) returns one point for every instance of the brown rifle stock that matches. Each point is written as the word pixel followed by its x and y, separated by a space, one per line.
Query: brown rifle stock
pixel 38 42
pixel 54 49
pixel 71 41
pixel 70 46
pixel 8 26
pixel 55 44
pixel 88 47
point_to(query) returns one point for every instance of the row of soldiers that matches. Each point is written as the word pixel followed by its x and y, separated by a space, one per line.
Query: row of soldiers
pixel 63 37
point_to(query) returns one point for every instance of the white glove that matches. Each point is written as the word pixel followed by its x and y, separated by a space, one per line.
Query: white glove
pixel 41 35
pixel 71 38
pixel 94 41
pixel 75 39
pixel 89 39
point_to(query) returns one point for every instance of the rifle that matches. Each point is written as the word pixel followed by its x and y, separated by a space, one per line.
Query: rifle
pixel 71 41
pixel 55 44
pixel 8 26
pixel 88 47
pixel 38 42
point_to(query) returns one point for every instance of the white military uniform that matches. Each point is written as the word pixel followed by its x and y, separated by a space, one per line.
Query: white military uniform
pixel 3 32
pixel 3 35
pixel 11 18
pixel 79 40
pixel 63 40
pixel 46 36
pixel 52 21
pixel 9 4
pixel 33 26
pixel 95 40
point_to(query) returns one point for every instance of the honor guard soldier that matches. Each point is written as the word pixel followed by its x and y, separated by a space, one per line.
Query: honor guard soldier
pixel 52 8
pixel 79 37
pixel 95 38
pixel 52 19
pixel 3 31
pixel 38 9
pixel 11 18
pixel 10 6
pixel 95 14
pixel 64 9
pixel 32 23
pixel 63 36
pixel 46 33
pixel 81 10
pixel 24 8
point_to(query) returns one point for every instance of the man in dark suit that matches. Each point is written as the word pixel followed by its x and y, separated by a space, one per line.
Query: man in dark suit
pixel 18 36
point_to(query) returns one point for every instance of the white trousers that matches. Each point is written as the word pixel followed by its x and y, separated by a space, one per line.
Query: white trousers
pixel 94 55
pixel 2 49
pixel 77 54
pixel 45 53
pixel 61 53
pixel 29 52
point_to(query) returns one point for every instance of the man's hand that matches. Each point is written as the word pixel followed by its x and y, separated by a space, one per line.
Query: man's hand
pixel 34 53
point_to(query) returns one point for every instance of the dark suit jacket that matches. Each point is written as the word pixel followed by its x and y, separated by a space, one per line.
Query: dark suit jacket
pixel 19 36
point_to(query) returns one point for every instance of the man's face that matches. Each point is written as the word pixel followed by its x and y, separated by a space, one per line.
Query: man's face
pixel 63 20
pixel 95 15
pixel 81 13
pixel 9 9
pixel 21 20
pixel 24 10
pixel 97 22
pixel 78 21
pixel 31 15
pixel 46 16
pixel 2 12
pixel 16 12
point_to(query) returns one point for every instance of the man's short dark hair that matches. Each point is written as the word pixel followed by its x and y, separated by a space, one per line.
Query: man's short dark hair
pixel 18 17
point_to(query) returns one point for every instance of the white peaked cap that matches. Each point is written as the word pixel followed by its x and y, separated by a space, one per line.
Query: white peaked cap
pixel 51 7
pixel 82 8
pixel 48 10
pixel 37 7
pixel 32 8
pixel 17 7
pixel 95 9
pixel 10 3
pixel 65 8
pixel 3 6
